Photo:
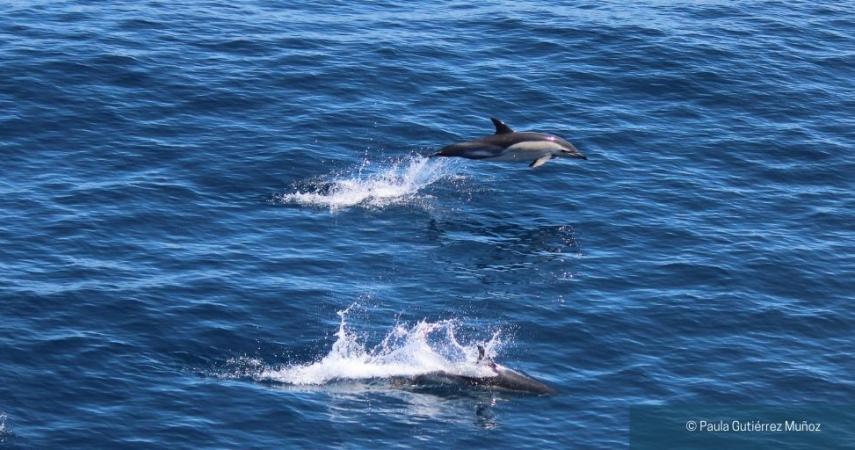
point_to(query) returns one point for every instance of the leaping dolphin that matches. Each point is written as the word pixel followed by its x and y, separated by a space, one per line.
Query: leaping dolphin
pixel 508 145
pixel 504 378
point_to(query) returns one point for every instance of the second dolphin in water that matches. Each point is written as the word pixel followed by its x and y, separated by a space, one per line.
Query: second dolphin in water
pixel 502 378
pixel 509 145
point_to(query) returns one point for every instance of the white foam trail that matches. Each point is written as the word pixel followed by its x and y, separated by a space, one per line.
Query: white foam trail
pixel 405 351
pixel 396 183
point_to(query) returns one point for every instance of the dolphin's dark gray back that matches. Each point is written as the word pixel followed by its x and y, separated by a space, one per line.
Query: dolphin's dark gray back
pixel 491 145
pixel 505 379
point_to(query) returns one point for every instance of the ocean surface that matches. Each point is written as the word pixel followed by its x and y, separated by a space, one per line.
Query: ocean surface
pixel 219 229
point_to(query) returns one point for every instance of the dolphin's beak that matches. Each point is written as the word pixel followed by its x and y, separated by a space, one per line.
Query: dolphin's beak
pixel 573 152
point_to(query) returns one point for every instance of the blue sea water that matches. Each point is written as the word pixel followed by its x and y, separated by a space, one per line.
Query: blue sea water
pixel 219 228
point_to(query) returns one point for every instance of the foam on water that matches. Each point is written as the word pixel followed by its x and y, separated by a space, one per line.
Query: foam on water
pixel 406 350
pixel 396 182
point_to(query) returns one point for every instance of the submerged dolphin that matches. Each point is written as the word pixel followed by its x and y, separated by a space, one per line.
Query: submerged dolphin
pixel 508 145
pixel 505 379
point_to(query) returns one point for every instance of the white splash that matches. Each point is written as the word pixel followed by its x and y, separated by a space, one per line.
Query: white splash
pixel 405 351
pixel 399 182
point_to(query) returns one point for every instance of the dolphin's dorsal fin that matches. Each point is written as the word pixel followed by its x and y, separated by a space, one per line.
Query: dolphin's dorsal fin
pixel 501 128
pixel 484 359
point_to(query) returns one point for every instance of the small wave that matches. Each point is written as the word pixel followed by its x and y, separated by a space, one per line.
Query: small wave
pixel 399 182
pixel 405 351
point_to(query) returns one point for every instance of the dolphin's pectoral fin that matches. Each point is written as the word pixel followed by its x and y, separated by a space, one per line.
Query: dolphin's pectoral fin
pixel 540 161
pixel 501 127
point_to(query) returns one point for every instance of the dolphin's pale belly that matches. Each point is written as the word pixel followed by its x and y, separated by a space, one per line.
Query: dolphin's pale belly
pixel 513 155
pixel 526 151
